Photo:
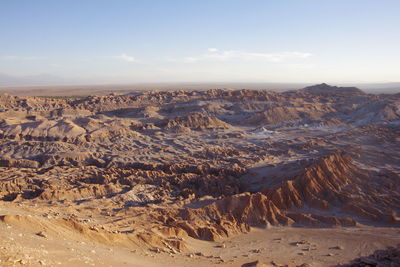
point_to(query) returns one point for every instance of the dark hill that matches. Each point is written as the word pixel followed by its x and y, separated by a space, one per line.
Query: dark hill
pixel 324 88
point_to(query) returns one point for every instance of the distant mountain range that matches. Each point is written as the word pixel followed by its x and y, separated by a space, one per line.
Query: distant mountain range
pixel 42 79
pixel 45 80
pixel 393 87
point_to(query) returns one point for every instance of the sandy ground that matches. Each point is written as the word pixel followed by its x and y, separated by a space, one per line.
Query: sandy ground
pixel 274 246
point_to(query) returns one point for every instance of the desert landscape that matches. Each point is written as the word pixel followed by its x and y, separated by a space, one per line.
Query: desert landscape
pixel 200 133
pixel 218 177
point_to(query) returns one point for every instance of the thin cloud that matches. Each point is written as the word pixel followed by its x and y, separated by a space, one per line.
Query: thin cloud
pixel 126 58
pixel 214 54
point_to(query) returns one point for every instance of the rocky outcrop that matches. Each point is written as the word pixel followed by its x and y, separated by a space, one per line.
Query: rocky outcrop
pixel 321 186
pixel 19 163
pixel 195 121
pixel 387 257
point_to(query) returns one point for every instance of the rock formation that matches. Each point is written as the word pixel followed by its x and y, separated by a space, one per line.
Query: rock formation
pixel 156 166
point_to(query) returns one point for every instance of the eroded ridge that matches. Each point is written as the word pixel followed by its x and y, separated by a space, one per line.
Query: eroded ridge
pixel 155 168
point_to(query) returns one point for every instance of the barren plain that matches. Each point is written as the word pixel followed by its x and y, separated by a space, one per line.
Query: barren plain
pixel 308 177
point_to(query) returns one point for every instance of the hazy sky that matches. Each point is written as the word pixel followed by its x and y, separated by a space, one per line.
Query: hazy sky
pixel 202 40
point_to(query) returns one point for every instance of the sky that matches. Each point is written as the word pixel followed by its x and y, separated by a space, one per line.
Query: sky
pixel 123 41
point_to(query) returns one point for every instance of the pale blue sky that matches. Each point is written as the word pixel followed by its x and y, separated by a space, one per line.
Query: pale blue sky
pixel 203 40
